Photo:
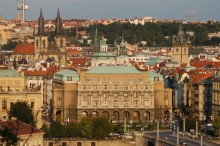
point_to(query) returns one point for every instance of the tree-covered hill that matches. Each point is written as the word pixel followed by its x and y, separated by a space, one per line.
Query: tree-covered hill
pixel 156 34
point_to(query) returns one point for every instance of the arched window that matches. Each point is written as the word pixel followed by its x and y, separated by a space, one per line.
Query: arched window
pixel 44 43
pixel 61 43
pixel 177 49
pixel 37 43
pixel 4 104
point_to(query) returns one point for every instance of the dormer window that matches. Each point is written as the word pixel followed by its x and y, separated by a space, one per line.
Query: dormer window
pixel 69 78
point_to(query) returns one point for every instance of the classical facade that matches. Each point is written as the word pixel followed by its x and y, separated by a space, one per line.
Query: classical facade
pixel 120 92
pixel 181 47
pixel 216 96
pixel 112 91
pixel 64 99
pixel 50 45
pixel 13 88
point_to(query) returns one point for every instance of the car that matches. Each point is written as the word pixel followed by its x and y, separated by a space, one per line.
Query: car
pixel 183 143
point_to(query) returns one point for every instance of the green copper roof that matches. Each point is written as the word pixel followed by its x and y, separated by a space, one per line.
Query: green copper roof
pixel 113 70
pixel 9 73
pixel 153 74
pixel 152 60
pixel 103 54
pixel 66 75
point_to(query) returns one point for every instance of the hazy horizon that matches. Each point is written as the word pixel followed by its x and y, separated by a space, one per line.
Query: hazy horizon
pixel 196 10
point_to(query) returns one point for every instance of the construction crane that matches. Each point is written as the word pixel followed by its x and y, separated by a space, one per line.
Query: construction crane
pixel 22 7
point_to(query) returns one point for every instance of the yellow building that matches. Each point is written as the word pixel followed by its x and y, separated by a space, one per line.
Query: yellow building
pixel 64 99
pixel 112 91
pixel 13 88
pixel 216 96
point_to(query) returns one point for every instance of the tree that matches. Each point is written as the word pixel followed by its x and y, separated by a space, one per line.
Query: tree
pixel 71 130
pixel 46 130
pixel 101 127
pixel 10 45
pixel 86 127
pixel 56 129
pixel 216 125
pixel 8 137
pixel 23 112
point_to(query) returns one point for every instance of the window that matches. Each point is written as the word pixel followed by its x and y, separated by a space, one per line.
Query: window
pixel 84 87
pixel 115 102
pixel 105 87
pixel 4 104
pixel 50 144
pixel 156 78
pixel 177 49
pixel 64 143
pixel 69 78
pixel 32 104
pixel 136 103
pixel 59 99
pixel 116 87
pixel 126 87
pixel 93 143
pixel 95 103
pixel 78 143
pixel 95 87
pixel 137 87
pixel 146 87
pixel 11 104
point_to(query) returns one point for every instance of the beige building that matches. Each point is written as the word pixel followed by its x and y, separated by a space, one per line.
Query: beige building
pixel 112 91
pixel 64 99
pixel 13 88
pixel 122 91
pixel 216 96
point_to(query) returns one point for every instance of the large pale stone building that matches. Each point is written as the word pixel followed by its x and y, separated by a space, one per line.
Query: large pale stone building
pixel 216 96
pixel 112 91
pixel 13 88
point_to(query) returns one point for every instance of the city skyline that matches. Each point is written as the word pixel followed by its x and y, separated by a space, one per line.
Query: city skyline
pixel 196 10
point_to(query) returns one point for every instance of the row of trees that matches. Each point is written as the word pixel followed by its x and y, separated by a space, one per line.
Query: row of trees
pixel 156 34
pixel 88 127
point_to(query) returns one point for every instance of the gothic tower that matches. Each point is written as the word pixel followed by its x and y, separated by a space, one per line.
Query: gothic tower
pixel 180 47
pixel 40 39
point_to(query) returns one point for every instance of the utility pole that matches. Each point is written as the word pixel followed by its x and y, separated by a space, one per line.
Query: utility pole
pixel 125 124
pixel 184 124
pixel 158 135
pixel 177 136
pixel 196 128
pixel 201 141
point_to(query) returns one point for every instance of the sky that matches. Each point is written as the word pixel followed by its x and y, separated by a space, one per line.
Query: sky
pixel 192 10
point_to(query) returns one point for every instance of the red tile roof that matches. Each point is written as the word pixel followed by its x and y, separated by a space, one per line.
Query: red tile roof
pixel 79 61
pixel 19 128
pixel 73 52
pixel 200 77
pixel 24 49
pixel 34 72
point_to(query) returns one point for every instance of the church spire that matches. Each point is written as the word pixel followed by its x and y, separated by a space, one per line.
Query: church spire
pixel 96 40
pixel 41 23
pixel 58 23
